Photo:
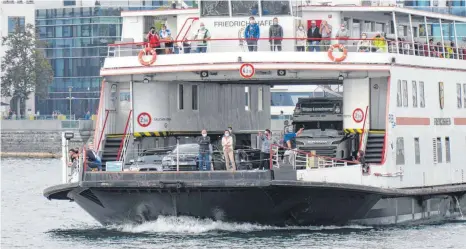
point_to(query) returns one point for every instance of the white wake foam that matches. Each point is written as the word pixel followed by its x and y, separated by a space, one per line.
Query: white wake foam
pixel 190 225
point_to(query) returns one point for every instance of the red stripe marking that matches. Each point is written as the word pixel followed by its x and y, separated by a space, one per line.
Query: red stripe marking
pixel 460 121
pixel 412 121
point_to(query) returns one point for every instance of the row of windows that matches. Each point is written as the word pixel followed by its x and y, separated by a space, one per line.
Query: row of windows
pixel 78 21
pixel 79 42
pixel 77 67
pixel 244 8
pixel 79 84
pixel 437 150
pixel 402 94
pixel 105 30
pixel 76 52
pixel 78 12
pixel 427 3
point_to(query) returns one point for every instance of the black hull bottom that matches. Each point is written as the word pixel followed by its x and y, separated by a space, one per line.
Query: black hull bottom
pixel 273 205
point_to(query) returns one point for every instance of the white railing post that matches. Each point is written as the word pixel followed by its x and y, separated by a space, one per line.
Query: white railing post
pixel 178 155
pixel 64 151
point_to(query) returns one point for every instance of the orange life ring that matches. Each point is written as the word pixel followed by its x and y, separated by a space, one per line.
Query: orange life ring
pixel 143 53
pixel 341 47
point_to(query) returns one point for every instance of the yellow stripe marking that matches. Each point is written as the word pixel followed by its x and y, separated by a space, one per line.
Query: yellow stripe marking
pixel 147 134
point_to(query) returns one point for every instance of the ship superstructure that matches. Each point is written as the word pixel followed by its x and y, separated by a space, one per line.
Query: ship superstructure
pixel 404 102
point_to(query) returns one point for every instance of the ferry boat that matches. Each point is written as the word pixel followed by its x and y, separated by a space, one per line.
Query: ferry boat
pixel 404 102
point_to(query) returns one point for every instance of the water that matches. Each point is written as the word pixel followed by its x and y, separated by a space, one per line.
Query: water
pixel 28 220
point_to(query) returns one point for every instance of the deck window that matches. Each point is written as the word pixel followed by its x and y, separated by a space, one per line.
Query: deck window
pixel 434 150
pixel 245 8
pixel 275 8
pixel 414 93
pixel 400 151
pixel 405 93
pixel 439 150
pixel 417 151
pixel 195 97
pixel 458 95
pixel 464 95
pixel 398 94
pixel 260 96
pixel 447 150
pixel 215 8
pixel 180 97
pixel 422 101
pixel 247 91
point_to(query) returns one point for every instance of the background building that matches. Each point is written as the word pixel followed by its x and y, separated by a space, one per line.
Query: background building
pixel 13 12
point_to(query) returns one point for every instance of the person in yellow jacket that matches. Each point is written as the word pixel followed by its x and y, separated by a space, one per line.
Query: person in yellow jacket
pixel 379 43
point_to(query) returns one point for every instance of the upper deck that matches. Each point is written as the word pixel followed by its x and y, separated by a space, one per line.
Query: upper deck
pixel 405 39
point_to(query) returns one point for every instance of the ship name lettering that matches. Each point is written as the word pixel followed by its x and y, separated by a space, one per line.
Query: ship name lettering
pixel 442 121
pixel 227 24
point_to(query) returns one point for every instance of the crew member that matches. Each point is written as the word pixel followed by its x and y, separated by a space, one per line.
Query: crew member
pixel 266 139
pixel 93 160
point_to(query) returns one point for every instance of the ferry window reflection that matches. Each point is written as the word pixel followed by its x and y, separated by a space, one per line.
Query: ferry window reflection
pixel 447 150
pixel 464 95
pixel 400 151
pixel 414 93
pixel 422 102
pixel 245 8
pixel 215 8
pixel 405 93
pixel 417 151
pixel 439 150
pixel 458 95
pixel 275 8
pixel 398 94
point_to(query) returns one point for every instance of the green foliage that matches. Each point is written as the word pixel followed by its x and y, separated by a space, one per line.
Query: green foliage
pixel 24 68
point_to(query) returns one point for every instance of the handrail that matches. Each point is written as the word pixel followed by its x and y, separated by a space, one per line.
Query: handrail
pixel 315 155
pixel 99 111
pixel 84 165
pixel 365 134
pixel 107 112
pixel 123 139
pixel 189 28
pixel 182 27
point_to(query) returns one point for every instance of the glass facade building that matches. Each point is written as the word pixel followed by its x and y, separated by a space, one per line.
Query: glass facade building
pixel 76 41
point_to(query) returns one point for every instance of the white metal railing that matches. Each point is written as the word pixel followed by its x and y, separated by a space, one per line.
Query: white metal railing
pixel 297 159
pixel 365 132
pixel 122 152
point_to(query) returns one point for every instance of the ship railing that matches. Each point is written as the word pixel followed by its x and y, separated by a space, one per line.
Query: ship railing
pixel 365 133
pixel 282 157
pixel 125 141
pixel 293 44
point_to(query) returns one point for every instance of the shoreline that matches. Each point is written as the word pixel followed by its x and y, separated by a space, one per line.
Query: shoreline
pixel 29 155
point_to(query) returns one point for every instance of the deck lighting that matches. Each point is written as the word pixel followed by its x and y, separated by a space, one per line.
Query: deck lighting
pixel 240 59
pixel 69 135
pixel 204 74
pixel 146 80
pixel 281 72
pixel 340 77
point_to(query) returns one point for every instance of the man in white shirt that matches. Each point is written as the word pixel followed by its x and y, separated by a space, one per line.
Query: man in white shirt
pixel 202 35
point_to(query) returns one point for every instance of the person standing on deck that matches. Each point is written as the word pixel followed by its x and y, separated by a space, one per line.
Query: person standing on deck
pixel 166 35
pixel 301 39
pixel 233 136
pixel 343 35
pixel 228 151
pixel 275 36
pixel 314 37
pixel 252 34
pixel 326 31
pixel 153 40
pixel 266 139
pixel 204 35
pixel 290 143
pixel 204 151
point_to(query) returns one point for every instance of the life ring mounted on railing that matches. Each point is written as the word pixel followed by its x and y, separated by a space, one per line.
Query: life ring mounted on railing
pixel 143 52
pixel 340 47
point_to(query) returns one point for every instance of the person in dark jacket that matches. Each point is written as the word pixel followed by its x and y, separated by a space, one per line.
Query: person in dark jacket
pixel 314 36
pixel 251 34
pixel 93 160
pixel 204 151
pixel 275 36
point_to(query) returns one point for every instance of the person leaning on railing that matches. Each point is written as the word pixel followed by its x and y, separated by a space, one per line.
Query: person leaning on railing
pixel 380 44
pixel 153 40
pixel 93 160
pixel 301 39
pixel 252 34
pixel 204 35
pixel 204 151
pixel 364 45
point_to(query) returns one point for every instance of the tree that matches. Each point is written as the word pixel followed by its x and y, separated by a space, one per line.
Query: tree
pixel 24 68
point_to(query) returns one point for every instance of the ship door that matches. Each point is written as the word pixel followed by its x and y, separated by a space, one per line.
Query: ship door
pixel 378 103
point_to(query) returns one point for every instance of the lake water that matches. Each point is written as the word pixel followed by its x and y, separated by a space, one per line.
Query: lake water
pixel 28 220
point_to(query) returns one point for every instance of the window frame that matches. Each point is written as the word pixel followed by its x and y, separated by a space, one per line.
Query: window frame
pixel 417 151
pixel 180 97
pixel 459 97
pixel 422 101
pixel 247 91
pixel 399 94
pixel 439 150
pixel 405 94
pixel 447 150
pixel 195 101
pixel 414 93
pixel 260 99
pixel 400 152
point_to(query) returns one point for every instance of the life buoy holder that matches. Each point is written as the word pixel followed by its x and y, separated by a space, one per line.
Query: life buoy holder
pixel 338 59
pixel 143 52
